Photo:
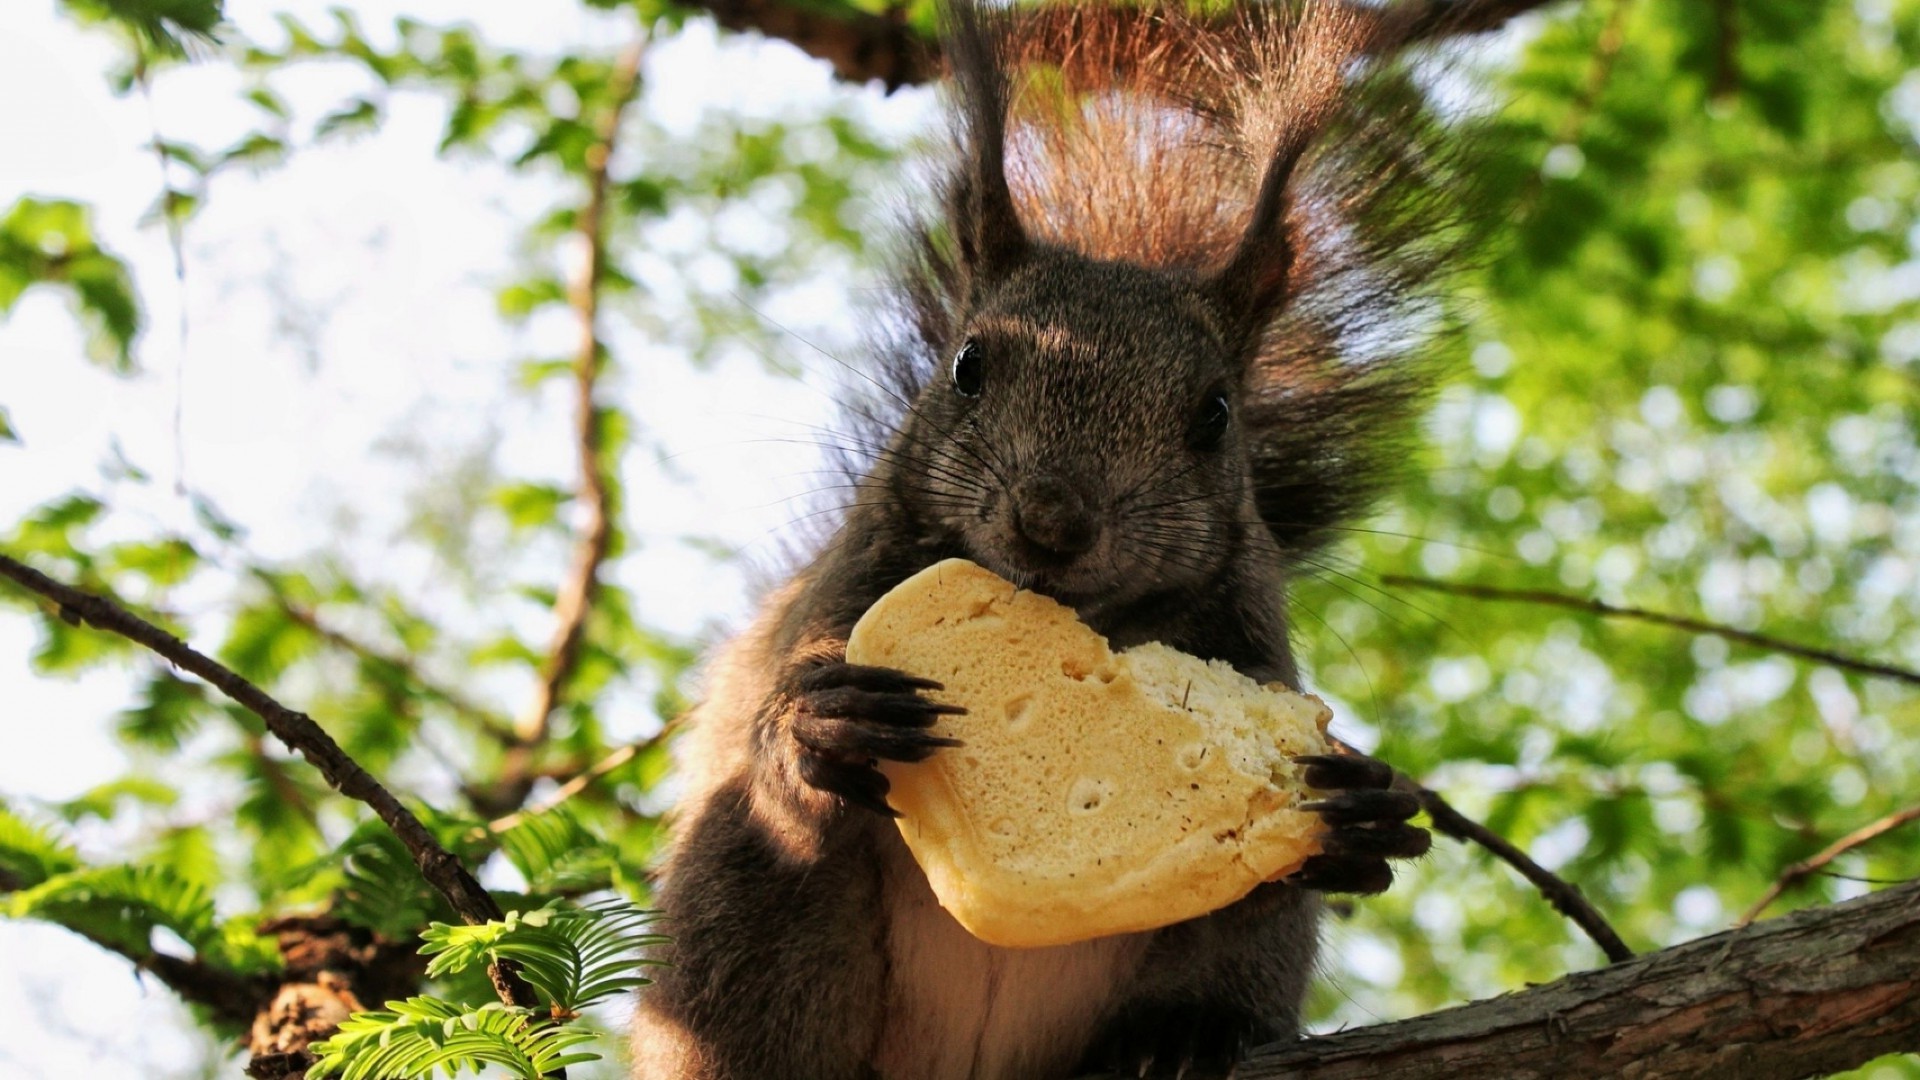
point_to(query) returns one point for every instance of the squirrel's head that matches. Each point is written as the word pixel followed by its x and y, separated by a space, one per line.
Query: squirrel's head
pixel 1081 433
pixel 1080 437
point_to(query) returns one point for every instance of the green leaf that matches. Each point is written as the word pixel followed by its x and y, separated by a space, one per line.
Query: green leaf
pixel 121 906
pixel 169 710
pixel 557 854
pixel 7 433
pixel 572 956
pixel 30 854
pixel 530 505
pixel 421 1035
pixel 104 801
pixel 163 26
pixel 51 242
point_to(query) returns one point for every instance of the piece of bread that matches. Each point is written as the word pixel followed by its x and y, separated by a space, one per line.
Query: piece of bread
pixel 1097 792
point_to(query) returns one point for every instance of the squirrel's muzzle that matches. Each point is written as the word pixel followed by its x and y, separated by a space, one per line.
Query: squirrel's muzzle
pixel 1054 517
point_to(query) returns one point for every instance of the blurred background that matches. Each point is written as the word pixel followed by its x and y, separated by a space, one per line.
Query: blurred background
pixel 291 337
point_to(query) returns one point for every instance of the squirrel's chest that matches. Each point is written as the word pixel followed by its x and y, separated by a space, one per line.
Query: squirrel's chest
pixel 960 1009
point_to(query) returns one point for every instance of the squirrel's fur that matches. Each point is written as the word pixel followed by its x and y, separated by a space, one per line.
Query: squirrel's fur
pixel 1156 347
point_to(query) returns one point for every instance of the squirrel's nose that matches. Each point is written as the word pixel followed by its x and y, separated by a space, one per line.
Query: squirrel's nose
pixel 1050 513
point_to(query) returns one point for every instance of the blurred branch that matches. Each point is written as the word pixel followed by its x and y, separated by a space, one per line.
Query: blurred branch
pixel 573 603
pixel 299 732
pixel 1806 868
pixel 863 46
pixel 1807 994
pixel 860 46
pixel 486 719
pixel 1600 70
pixel 581 781
pixel 1659 618
pixel 1433 19
pixel 1565 897
pixel 1726 60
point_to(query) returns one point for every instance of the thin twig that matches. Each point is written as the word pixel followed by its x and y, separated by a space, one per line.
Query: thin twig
pixel 1564 896
pixel 1806 868
pixel 583 780
pixel 1660 618
pixel 495 726
pixel 299 732
pixel 1606 51
pixel 574 601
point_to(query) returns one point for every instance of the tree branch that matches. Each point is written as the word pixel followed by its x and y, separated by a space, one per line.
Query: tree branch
pixel 1429 20
pixel 863 47
pixel 1805 868
pixel 482 717
pixel 574 601
pixel 299 732
pixel 1659 618
pixel 1814 992
pixel 581 781
pixel 1565 897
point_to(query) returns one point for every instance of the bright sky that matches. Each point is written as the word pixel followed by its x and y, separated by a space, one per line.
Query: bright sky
pixel 379 262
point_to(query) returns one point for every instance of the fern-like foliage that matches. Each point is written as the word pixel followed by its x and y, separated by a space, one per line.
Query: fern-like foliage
pixel 29 854
pixel 374 884
pixel 121 906
pixel 571 956
pixel 559 856
pixel 422 1035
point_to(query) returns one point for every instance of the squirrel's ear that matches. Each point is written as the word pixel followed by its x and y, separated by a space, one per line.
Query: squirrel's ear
pixel 1252 285
pixel 986 226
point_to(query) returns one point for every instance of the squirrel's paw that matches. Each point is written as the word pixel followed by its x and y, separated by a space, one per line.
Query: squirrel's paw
pixel 846 717
pixel 1366 825
pixel 1174 1042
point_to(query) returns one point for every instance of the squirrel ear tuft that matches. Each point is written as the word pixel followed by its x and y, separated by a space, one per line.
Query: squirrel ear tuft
pixel 986 226
pixel 1252 285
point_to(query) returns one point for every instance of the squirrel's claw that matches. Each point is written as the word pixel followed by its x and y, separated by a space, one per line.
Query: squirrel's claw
pixel 1365 876
pixel 848 717
pixel 1366 825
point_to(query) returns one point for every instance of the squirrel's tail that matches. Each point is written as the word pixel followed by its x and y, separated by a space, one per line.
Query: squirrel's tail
pixel 1285 151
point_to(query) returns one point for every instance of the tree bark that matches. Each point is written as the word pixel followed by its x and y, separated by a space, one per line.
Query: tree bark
pixel 1814 992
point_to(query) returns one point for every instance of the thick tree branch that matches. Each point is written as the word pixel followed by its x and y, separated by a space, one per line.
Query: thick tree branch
pixel 1815 992
pixel 299 732
pixel 1660 618
pixel 864 47
pixel 1564 896
pixel 1433 19
pixel 574 601
pixel 1805 868
pixel 861 47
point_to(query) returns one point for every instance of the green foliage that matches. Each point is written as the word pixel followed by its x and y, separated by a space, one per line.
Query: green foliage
pixel 163 26
pixel 121 906
pixel 1686 381
pixel 51 242
pixel 421 1035
pixel 30 855
pixel 572 956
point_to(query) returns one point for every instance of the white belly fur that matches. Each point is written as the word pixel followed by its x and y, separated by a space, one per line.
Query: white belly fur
pixel 960 1009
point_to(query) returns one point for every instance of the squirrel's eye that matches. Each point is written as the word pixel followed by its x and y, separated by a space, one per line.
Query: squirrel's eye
pixel 1209 428
pixel 967 376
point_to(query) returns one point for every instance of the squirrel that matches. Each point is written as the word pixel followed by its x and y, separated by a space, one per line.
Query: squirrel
pixel 1157 341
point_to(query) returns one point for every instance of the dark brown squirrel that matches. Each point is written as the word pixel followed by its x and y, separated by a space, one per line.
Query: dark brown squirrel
pixel 1156 345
